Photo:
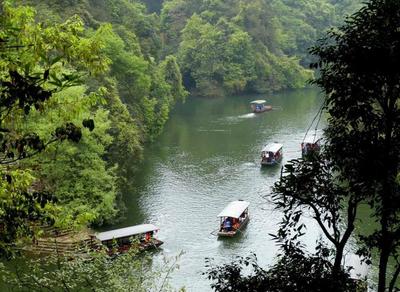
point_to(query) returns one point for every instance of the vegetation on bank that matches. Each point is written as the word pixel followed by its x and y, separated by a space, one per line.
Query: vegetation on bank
pixel 254 46
pixel 63 127
pixel 123 95
pixel 95 271
pixel 222 46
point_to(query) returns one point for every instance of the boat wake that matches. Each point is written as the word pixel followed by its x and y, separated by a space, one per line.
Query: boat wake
pixel 247 116
pixel 213 130
pixel 235 119
pixel 249 165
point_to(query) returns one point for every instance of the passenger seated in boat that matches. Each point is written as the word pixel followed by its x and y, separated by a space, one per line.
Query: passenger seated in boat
pixel 236 224
pixel 148 236
pixel 228 224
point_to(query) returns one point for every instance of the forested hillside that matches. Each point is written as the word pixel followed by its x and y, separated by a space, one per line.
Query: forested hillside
pixel 257 45
pixel 149 50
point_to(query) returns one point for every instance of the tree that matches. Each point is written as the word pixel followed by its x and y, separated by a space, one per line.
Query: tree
pixel 311 186
pixel 172 75
pixel 216 56
pixel 360 75
pixel 35 63
pixel 75 173
pixel 294 271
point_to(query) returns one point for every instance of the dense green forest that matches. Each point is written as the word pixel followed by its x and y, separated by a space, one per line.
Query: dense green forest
pixel 254 46
pixel 129 102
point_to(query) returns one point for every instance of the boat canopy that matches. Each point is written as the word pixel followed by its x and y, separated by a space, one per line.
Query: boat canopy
pixel 126 232
pixel 311 140
pixel 234 209
pixel 272 147
pixel 258 101
pixel 313 137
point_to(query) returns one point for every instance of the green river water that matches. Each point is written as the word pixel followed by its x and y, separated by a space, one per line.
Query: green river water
pixel 207 156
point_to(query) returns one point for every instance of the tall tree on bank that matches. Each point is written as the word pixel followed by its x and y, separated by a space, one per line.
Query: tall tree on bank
pixel 312 186
pixel 360 75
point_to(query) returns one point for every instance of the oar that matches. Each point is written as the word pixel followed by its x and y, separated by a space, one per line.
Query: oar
pixel 214 232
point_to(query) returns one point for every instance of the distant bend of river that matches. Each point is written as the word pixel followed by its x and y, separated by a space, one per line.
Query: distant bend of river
pixel 207 156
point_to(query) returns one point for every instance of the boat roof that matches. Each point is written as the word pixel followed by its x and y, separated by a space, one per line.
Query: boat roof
pixel 311 140
pixel 313 137
pixel 272 147
pixel 126 232
pixel 234 209
pixel 259 101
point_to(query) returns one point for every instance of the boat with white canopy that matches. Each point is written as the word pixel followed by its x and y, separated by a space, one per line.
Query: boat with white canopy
pixel 311 144
pixel 124 237
pixel 259 106
pixel 271 154
pixel 233 218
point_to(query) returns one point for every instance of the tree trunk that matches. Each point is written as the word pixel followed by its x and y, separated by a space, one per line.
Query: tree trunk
pixel 385 252
pixel 390 167
pixel 382 269
pixel 337 265
pixel 394 278
pixel 351 216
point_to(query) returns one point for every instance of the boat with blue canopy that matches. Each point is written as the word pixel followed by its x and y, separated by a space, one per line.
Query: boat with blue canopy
pixel 259 106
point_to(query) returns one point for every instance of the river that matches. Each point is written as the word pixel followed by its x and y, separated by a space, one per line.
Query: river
pixel 207 156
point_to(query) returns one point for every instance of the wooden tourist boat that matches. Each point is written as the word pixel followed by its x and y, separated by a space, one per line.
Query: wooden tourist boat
pixel 310 146
pixel 233 218
pixel 271 154
pixel 259 106
pixel 122 239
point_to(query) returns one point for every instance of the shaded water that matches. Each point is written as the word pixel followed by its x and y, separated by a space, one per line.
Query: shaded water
pixel 207 156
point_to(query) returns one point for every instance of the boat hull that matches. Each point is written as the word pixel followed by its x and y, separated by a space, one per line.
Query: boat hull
pixel 270 163
pixel 154 243
pixel 234 232
pixel 141 246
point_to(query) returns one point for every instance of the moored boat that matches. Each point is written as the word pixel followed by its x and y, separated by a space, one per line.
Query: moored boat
pixel 124 238
pixel 259 106
pixel 271 154
pixel 233 218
